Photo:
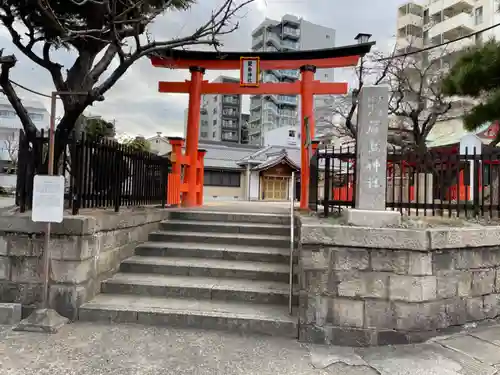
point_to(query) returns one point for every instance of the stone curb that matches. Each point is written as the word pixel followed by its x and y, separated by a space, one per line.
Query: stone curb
pixel 399 238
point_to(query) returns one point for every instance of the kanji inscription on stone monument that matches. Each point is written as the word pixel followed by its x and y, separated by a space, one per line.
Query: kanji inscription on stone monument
pixel 371 158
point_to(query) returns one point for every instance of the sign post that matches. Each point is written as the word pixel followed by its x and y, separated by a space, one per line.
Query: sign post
pixel 48 207
pixel 249 72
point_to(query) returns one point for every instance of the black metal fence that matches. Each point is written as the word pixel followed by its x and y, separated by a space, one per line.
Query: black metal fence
pixel 434 182
pixel 97 174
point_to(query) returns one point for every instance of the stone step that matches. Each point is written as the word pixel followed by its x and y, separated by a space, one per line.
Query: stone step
pixel 202 314
pixel 221 238
pixel 261 292
pixel 192 215
pixel 225 227
pixel 207 268
pixel 214 251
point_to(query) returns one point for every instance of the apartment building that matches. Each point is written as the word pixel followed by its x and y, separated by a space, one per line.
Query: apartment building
pixel 223 115
pixel 268 112
pixel 205 130
pixel 433 22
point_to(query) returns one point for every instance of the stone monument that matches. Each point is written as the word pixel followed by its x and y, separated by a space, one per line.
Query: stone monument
pixel 371 161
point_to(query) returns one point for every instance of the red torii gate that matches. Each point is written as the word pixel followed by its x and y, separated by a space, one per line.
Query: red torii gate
pixel 198 61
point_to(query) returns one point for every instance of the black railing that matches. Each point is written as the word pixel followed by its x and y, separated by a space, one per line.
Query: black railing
pixel 442 182
pixel 333 175
pixel 98 174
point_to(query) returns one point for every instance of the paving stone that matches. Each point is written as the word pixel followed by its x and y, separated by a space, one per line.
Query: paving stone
pixel 475 348
pixel 490 334
pixel 423 359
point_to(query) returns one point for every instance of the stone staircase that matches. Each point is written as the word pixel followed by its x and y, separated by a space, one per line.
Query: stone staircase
pixel 201 269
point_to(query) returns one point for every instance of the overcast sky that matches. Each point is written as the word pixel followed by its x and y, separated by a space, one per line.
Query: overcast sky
pixel 134 101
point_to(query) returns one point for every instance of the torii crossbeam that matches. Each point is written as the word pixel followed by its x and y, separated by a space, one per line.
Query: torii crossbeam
pixel 307 61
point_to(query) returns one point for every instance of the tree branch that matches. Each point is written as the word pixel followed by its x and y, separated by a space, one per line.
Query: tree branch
pixel 7 63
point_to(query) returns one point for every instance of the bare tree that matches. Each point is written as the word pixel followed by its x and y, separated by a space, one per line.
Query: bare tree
pixel 370 71
pixel 12 147
pixel 416 101
pixel 99 32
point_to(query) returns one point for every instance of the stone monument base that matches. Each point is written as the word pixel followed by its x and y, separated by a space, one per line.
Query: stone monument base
pixel 372 219
pixel 42 320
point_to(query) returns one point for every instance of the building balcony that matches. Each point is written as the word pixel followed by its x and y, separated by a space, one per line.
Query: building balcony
pixel 410 19
pixel 230 114
pixel 283 99
pixel 454 6
pixel 274 40
pixel 294 74
pixel 288 114
pixel 291 32
pixel 230 100
pixel 290 45
pixel 407 43
pixel 257 42
pixel 453 27
pixel 451 48
pixel 270 78
pixel 271 107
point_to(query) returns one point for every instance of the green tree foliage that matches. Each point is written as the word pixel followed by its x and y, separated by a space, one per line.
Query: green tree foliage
pixel 138 144
pixel 477 75
pixel 97 129
pixel 95 34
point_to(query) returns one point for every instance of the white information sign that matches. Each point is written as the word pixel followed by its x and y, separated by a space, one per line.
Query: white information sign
pixel 249 71
pixel 48 199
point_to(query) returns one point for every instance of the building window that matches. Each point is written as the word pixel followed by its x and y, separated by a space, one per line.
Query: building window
pixel 478 16
pixel 7 114
pixel 215 122
pixel 36 116
pixel 222 178
pixel 215 110
pixel 204 134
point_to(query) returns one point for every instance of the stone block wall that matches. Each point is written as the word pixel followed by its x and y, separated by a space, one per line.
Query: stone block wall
pixel 85 250
pixel 386 292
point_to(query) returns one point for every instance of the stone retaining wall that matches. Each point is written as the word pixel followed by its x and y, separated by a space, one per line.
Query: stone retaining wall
pixel 85 250
pixel 366 286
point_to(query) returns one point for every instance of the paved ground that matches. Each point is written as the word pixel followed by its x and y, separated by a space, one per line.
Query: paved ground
pixel 95 349
pixel 7 202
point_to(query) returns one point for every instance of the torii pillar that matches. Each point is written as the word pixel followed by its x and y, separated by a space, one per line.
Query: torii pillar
pixel 307 111
pixel 192 137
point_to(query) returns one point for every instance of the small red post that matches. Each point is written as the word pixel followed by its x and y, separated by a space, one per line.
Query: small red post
pixel 200 177
pixel 307 106
pixel 174 178
pixel 193 125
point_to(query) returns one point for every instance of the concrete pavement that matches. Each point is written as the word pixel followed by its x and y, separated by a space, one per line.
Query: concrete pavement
pixel 95 349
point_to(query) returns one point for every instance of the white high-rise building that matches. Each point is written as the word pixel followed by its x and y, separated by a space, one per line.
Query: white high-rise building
pixel 432 22
pixel 268 112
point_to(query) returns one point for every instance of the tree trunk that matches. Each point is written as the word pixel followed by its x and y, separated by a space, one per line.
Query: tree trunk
pixel 62 135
